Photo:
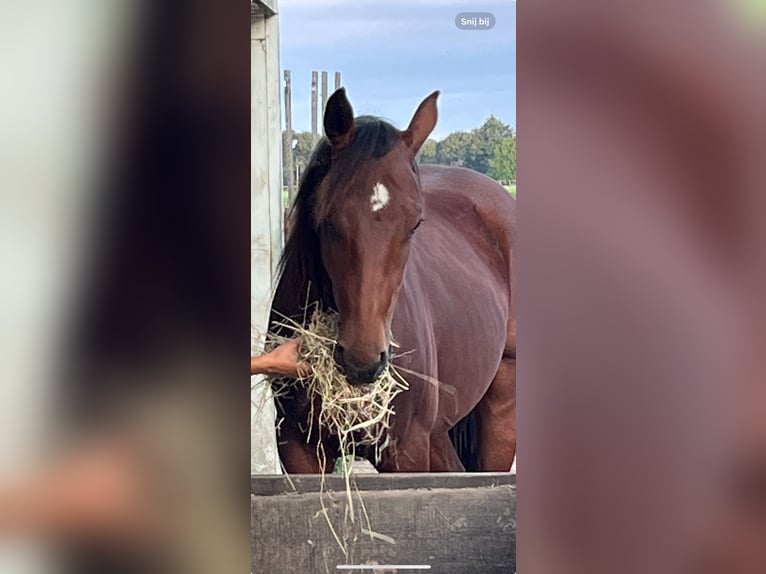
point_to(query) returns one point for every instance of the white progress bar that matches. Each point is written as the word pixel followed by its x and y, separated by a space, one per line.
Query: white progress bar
pixel 384 567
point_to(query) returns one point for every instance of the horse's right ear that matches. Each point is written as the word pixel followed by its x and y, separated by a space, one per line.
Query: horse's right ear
pixel 422 123
pixel 339 119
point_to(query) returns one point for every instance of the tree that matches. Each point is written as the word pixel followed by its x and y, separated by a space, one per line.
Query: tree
pixel 304 145
pixel 303 148
pixel 473 149
pixel 486 139
pixel 502 166
pixel 455 149
pixel 427 153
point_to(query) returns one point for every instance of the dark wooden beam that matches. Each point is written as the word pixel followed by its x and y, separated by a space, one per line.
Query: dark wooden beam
pixel 270 485
pixel 455 530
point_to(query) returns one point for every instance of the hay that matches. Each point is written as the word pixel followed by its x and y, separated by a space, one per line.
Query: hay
pixel 356 415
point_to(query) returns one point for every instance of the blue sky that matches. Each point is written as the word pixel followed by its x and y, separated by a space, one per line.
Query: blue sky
pixel 394 53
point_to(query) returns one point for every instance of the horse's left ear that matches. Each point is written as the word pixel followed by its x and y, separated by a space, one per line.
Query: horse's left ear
pixel 339 119
pixel 422 123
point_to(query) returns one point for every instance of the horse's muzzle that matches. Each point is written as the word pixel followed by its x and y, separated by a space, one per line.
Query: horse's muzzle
pixel 359 374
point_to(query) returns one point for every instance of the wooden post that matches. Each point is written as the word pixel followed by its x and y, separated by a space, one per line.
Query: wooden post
pixel 266 229
pixel 337 80
pixel 314 132
pixel 288 139
pixel 324 93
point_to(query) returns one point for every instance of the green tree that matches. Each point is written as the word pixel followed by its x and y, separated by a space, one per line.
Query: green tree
pixel 502 165
pixel 473 149
pixel 303 148
pixel 303 145
pixel 485 140
pixel 427 153
pixel 455 149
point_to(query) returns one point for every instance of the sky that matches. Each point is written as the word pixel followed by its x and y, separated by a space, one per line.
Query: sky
pixel 393 54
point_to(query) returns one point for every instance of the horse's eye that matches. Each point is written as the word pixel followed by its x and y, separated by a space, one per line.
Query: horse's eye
pixel 414 229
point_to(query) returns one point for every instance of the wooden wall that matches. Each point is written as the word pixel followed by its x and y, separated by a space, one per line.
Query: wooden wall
pixel 455 523
pixel 266 235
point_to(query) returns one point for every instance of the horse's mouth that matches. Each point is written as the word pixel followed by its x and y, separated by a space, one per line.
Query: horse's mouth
pixel 358 375
pixel 362 377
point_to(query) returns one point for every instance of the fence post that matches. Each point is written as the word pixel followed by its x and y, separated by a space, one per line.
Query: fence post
pixel 324 93
pixel 288 139
pixel 314 132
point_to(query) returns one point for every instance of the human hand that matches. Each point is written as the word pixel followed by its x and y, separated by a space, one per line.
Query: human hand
pixel 284 361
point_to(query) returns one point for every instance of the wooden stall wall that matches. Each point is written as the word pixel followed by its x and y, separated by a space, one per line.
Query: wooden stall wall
pixel 266 227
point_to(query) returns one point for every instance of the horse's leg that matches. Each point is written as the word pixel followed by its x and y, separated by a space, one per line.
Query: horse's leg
pixel 297 457
pixel 444 458
pixel 497 419
pixel 412 455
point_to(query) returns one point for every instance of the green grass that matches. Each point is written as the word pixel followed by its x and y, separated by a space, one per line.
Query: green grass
pixel 511 189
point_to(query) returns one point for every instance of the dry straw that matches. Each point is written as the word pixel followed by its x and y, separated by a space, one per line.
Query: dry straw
pixel 358 416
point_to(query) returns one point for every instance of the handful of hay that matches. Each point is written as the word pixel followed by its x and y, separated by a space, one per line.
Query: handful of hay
pixel 356 415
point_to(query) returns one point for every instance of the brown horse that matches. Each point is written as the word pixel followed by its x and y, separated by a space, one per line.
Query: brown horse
pixel 420 255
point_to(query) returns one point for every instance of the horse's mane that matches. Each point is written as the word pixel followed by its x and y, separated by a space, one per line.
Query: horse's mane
pixel 373 138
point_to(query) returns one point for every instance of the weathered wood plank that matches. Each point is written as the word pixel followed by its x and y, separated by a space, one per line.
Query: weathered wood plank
pixel 272 485
pixel 265 220
pixel 288 140
pixel 263 8
pixel 455 530
pixel 314 105
pixel 325 95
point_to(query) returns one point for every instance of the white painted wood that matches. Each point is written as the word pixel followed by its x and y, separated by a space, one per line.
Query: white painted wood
pixel 265 221
pixel 267 7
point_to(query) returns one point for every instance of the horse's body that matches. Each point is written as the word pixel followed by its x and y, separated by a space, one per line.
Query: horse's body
pixel 451 316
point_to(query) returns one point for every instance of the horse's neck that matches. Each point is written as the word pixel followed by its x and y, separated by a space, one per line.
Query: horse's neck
pixel 304 282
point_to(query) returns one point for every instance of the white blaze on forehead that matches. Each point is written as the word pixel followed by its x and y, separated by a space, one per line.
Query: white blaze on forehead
pixel 380 197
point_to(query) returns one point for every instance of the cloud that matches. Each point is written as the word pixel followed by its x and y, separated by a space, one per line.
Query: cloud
pixel 393 56
pixel 324 30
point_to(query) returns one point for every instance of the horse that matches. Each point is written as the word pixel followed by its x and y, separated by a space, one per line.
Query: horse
pixel 419 255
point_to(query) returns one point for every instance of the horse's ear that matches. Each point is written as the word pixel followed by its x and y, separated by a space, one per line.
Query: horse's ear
pixel 339 119
pixel 422 123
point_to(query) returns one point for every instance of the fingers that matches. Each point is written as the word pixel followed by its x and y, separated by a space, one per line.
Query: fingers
pixel 303 370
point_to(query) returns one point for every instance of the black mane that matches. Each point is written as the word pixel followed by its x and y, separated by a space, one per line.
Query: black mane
pixel 302 259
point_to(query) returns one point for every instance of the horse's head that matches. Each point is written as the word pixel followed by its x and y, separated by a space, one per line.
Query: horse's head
pixel 368 208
